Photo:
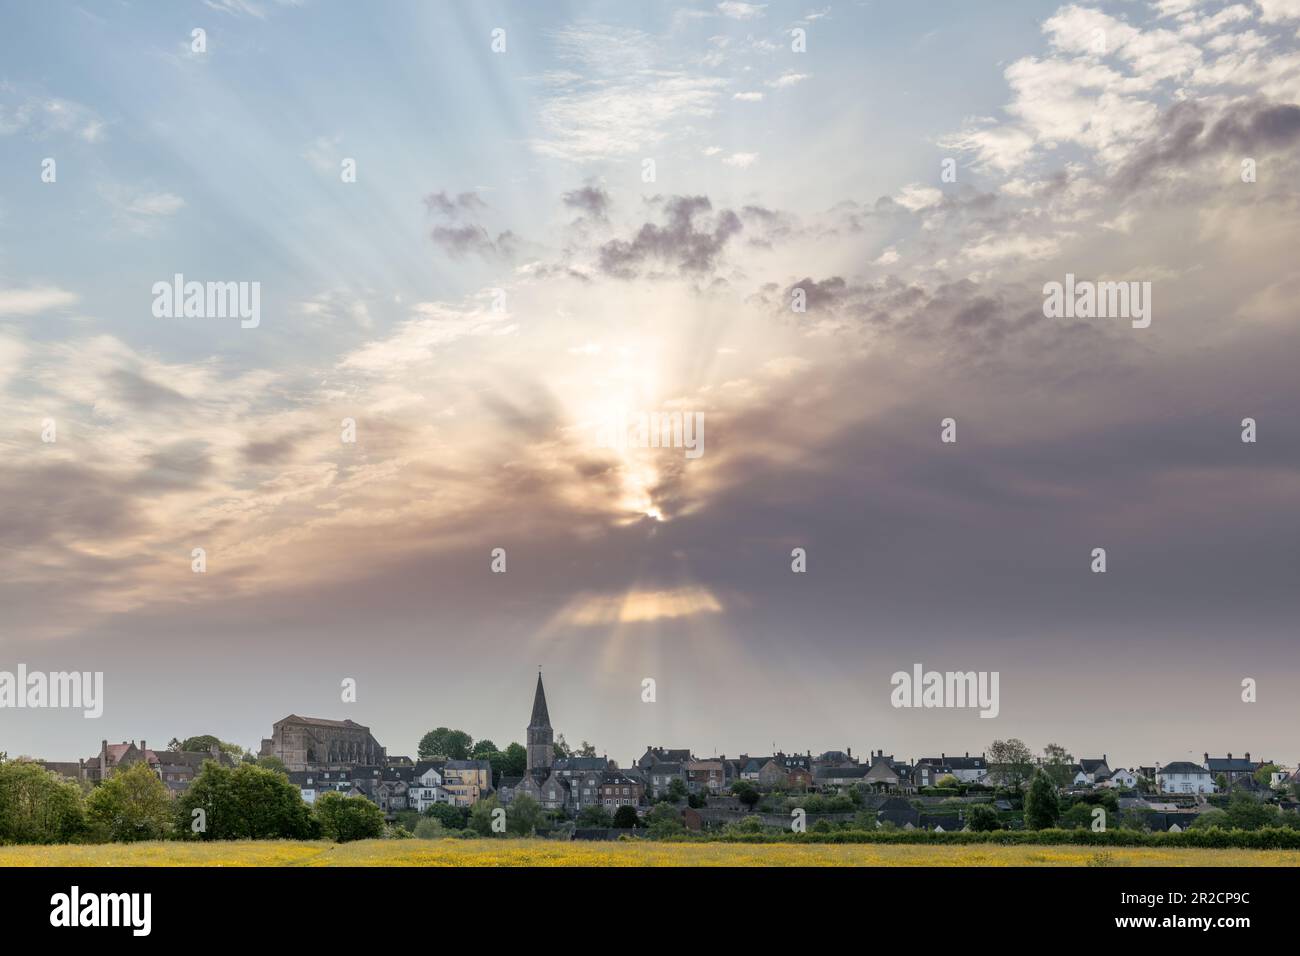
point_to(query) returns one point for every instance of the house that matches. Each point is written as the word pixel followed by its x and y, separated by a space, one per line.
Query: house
pixel 467 781
pixel 425 788
pixel 654 755
pixel 888 774
pixel 618 789
pixel 583 774
pixel 1122 779
pixel 967 769
pixel 752 767
pixel 1234 769
pixel 662 775
pixel 899 812
pixel 1183 776
pixel 704 776
pixel 1090 769
pixel 840 776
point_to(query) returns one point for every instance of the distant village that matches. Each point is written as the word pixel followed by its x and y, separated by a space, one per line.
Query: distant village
pixel 930 793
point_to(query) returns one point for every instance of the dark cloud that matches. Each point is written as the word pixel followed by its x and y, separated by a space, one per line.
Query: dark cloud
pixel 1188 135
pixel 273 451
pixel 441 204
pixel 591 199
pixel 142 392
pixel 691 239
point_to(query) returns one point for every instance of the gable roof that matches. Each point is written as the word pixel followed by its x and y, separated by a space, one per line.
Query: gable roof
pixel 1182 766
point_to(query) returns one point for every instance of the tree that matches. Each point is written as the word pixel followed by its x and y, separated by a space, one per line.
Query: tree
pixel 1042 805
pixel 561 748
pixel 444 742
pixel 524 816
pixel 664 819
pixel 1247 813
pixel 453 818
pixel 1221 783
pixel 1010 762
pixel 595 816
pixel 1057 762
pixel 343 818
pixel 1211 819
pixel 514 761
pixel 243 803
pixel 37 806
pixel 746 793
pixel 272 762
pixel 1264 775
pixel 205 742
pixel 677 790
pixel 586 750
pixel 948 782
pixel 983 818
pixel 130 805
pixel 483 749
pixel 480 816
pixel 625 817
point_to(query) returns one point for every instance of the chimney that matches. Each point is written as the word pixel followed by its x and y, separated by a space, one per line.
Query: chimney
pixel 1103 759
pixel 1207 760
pixel 1247 756
pixel 143 745
pixel 1229 754
pixel 942 755
pixel 968 753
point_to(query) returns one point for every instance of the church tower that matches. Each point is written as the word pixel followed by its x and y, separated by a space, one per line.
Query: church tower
pixel 541 739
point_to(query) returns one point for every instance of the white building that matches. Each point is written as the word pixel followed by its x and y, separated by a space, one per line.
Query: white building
pixel 1182 776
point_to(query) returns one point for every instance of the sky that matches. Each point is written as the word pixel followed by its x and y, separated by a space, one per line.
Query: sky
pixel 482 232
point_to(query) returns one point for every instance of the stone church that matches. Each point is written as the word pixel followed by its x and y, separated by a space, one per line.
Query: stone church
pixel 312 743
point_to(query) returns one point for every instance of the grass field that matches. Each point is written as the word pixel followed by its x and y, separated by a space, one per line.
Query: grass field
pixel 551 853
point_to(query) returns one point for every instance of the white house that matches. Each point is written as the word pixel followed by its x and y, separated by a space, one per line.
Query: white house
pixel 1122 779
pixel 427 789
pixel 1182 776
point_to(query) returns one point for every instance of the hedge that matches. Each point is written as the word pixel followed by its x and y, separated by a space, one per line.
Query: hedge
pixel 1272 838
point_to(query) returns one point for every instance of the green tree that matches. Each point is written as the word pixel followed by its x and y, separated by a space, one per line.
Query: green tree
pixel 514 761
pixel 1212 819
pixel 1264 775
pixel 586 750
pixel 982 818
pixel 37 806
pixel 271 762
pixel 524 816
pixel 429 829
pixel 480 816
pixel 444 742
pixel 664 819
pixel 625 817
pixel 948 782
pixel 243 803
pixel 130 805
pixel 205 742
pixel 677 790
pixel 1221 783
pixel 1010 762
pixel 1042 805
pixel 483 749
pixel 595 816
pixel 746 793
pixel 343 818
pixel 1057 764
pixel 561 748
pixel 1247 813
pixel 453 818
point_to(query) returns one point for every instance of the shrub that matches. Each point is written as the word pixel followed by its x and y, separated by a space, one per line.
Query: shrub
pixel 344 818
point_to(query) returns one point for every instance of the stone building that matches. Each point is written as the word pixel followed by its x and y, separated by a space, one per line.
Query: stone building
pixel 311 743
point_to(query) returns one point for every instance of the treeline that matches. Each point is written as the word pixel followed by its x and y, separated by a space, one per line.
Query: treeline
pixel 246 802
pixel 1270 838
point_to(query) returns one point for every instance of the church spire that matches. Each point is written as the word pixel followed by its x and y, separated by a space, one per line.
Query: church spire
pixel 541 718
pixel 540 737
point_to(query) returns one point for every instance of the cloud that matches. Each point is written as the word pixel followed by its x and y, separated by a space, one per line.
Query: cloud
pixel 740 160
pixel 736 10
pixel 34 300
pixel 591 199
pixel 787 79
pixel 686 241
pixel 39 115
pixel 752 97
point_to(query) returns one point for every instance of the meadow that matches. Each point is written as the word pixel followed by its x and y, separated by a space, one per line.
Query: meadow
pixel 532 852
